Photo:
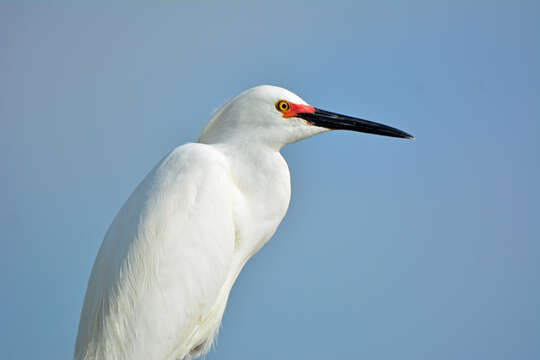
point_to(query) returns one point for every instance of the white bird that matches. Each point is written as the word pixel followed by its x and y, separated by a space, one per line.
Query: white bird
pixel 162 277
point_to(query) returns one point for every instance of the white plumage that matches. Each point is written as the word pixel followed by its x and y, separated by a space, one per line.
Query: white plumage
pixel 161 279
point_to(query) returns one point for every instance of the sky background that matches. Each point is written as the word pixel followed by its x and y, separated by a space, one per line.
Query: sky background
pixel 390 249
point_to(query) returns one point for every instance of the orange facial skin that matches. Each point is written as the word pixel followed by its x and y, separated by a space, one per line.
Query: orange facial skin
pixel 298 108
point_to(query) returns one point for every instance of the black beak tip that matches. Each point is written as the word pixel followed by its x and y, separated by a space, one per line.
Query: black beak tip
pixel 409 136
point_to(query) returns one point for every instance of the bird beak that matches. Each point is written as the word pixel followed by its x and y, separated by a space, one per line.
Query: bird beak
pixel 335 121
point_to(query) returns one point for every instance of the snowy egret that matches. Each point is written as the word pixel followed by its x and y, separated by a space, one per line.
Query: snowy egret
pixel 162 277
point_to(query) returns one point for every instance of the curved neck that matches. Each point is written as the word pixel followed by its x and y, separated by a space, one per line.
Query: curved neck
pixel 263 182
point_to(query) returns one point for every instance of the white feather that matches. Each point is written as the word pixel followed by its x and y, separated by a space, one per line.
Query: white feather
pixel 161 279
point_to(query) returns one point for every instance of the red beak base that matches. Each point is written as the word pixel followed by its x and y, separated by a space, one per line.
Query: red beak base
pixel 297 109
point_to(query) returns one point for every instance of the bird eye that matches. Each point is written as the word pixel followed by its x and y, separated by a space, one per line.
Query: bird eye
pixel 283 106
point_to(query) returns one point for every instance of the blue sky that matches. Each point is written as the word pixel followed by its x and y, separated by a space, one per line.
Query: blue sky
pixel 418 250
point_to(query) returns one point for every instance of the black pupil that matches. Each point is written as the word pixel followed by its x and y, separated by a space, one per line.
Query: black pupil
pixel 283 106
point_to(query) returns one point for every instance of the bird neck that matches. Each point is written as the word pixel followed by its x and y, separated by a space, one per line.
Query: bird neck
pixel 263 185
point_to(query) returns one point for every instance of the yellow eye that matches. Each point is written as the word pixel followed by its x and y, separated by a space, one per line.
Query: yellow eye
pixel 283 106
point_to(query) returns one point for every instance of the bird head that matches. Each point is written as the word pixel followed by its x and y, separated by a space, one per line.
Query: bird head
pixel 276 117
